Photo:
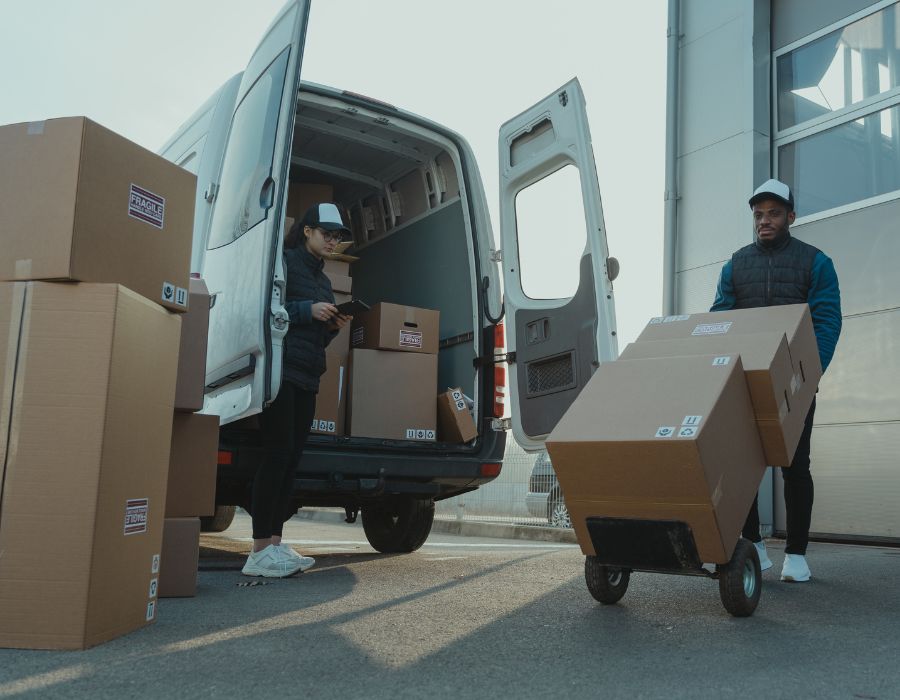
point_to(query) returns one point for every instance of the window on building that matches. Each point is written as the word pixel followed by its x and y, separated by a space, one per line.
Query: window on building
pixel 836 111
pixel 242 200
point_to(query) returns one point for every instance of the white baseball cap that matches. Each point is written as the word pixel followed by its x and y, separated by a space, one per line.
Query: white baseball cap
pixel 773 189
pixel 324 215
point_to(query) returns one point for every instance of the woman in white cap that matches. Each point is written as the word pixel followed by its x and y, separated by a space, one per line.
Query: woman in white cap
pixel 285 423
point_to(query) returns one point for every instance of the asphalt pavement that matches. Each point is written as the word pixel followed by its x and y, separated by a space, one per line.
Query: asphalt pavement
pixel 486 617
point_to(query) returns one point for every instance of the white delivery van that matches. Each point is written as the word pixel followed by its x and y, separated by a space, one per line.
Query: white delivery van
pixel 423 236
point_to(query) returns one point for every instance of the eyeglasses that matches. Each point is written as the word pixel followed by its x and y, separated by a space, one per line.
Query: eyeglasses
pixel 334 236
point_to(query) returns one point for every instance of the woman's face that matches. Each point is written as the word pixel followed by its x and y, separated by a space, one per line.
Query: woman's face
pixel 320 242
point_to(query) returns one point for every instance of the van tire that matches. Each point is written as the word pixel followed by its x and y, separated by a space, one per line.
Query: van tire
pixel 219 521
pixel 400 525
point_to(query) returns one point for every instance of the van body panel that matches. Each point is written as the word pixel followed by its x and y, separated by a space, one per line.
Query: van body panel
pixel 242 263
pixel 558 343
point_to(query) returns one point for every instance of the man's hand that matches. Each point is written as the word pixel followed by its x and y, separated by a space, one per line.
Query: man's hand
pixel 339 321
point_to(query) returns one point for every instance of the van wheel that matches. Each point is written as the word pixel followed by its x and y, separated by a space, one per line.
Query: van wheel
pixel 557 513
pixel 219 521
pixel 400 525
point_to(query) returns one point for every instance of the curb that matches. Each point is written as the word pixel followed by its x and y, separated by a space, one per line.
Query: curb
pixel 467 528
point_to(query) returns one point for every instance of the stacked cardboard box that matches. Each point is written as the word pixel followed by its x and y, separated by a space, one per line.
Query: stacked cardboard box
pixel 682 426
pixel 393 373
pixel 91 359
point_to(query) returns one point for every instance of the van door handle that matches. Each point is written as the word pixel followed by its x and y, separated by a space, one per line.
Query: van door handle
pixel 267 193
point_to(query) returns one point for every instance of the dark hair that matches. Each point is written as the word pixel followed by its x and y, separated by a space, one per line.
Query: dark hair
pixel 294 236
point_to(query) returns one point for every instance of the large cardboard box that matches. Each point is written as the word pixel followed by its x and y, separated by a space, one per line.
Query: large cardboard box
pixel 340 344
pixel 331 405
pixel 731 331
pixel 667 438
pixel 180 557
pixel 455 423
pixel 395 327
pixel 88 388
pixel 301 196
pixel 79 202
pixel 192 350
pixel 391 395
pixel 193 462
pixel 340 283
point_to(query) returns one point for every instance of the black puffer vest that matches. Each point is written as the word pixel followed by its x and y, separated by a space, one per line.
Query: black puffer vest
pixel 771 276
pixel 304 344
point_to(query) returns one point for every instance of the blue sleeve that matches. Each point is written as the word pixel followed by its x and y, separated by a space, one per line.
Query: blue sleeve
pixel 724 290
pixel 300 312
pixel 825 306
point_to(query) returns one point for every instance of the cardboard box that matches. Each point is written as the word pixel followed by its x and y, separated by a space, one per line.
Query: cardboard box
pixel 455 423
pixel 781 413
pixel 193 463
pixel 301 196
pixel 391 395
pixel 337 267
pixel 85 467
pixel 395 327
pixel 331 403
pixel 78 202
pixel 340 283
pixel 340 344
pixel 667 438
pixel 192 350
pixel 180 557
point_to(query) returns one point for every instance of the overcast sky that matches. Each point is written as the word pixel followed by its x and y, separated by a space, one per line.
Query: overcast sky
pixel 142 68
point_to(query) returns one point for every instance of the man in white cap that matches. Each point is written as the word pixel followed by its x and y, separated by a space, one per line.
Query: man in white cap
pixel 780 269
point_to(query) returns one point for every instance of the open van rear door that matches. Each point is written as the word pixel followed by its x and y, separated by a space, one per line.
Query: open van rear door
pixel 243 266
pixel 560 314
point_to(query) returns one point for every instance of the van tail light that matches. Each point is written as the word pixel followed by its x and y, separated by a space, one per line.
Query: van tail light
pixel 226 457
pixel 499 371
pixel 491 469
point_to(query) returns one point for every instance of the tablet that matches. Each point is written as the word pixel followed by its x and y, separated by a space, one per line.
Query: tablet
pixel 352 307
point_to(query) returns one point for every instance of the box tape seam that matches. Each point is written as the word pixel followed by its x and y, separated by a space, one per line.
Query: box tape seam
pixel 15 365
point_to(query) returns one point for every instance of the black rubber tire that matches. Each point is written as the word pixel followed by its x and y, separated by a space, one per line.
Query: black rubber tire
pixel 606 583
pixel 398 525
pixel 220 521
pixel 740 580
pixel 557 513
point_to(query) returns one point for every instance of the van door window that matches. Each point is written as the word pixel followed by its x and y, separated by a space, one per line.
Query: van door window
pixel 244 199
pixel 550 228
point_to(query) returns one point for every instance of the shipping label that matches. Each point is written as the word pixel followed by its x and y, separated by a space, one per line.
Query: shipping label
pixel 420 434
pixel 181 296
pixel 665 431
pixel 410 339
pixel 459 402
pixel 151 610
pixel 356 338
pixel 136 514
pixel 154 584
pixel 146 206
pixel 324 426
pixel 154 564
pixel 712 328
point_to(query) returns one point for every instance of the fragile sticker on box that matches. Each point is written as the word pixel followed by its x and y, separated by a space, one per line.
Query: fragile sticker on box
pixel 136 512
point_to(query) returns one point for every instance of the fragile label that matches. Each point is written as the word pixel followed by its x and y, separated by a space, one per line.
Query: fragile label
pixel 168 293
pixel 410 339
pixel 420 434
pixel 687 431
pixel 692 420
pixel 721 361
pixel 665 431
pixel 136 513
pixel 154 564
pixel 154 584
pixel 712 328
pixel 146 206
pixel 151 610
pixel 356 338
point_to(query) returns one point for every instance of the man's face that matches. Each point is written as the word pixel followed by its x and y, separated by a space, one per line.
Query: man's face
pixel 771 218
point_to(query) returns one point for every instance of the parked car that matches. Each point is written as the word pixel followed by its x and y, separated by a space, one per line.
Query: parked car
pixel 544 498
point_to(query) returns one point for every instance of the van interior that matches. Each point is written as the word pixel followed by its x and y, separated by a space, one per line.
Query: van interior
pixel 399 186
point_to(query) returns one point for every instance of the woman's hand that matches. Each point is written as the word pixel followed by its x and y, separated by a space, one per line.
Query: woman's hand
pixel 339 321
pixel 323 311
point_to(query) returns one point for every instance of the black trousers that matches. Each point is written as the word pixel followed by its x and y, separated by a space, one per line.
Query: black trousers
pixel 285 426
pixel 798 496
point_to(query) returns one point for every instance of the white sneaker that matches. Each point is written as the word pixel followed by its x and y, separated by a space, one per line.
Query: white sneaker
pixel 764 562
pixel 795 568
pixel 305 562
pixel 270 562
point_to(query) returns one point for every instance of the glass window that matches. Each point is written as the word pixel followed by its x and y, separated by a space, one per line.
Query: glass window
pixel 840 69
pixel 242 202
pixel 844 164
pixel 551 231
